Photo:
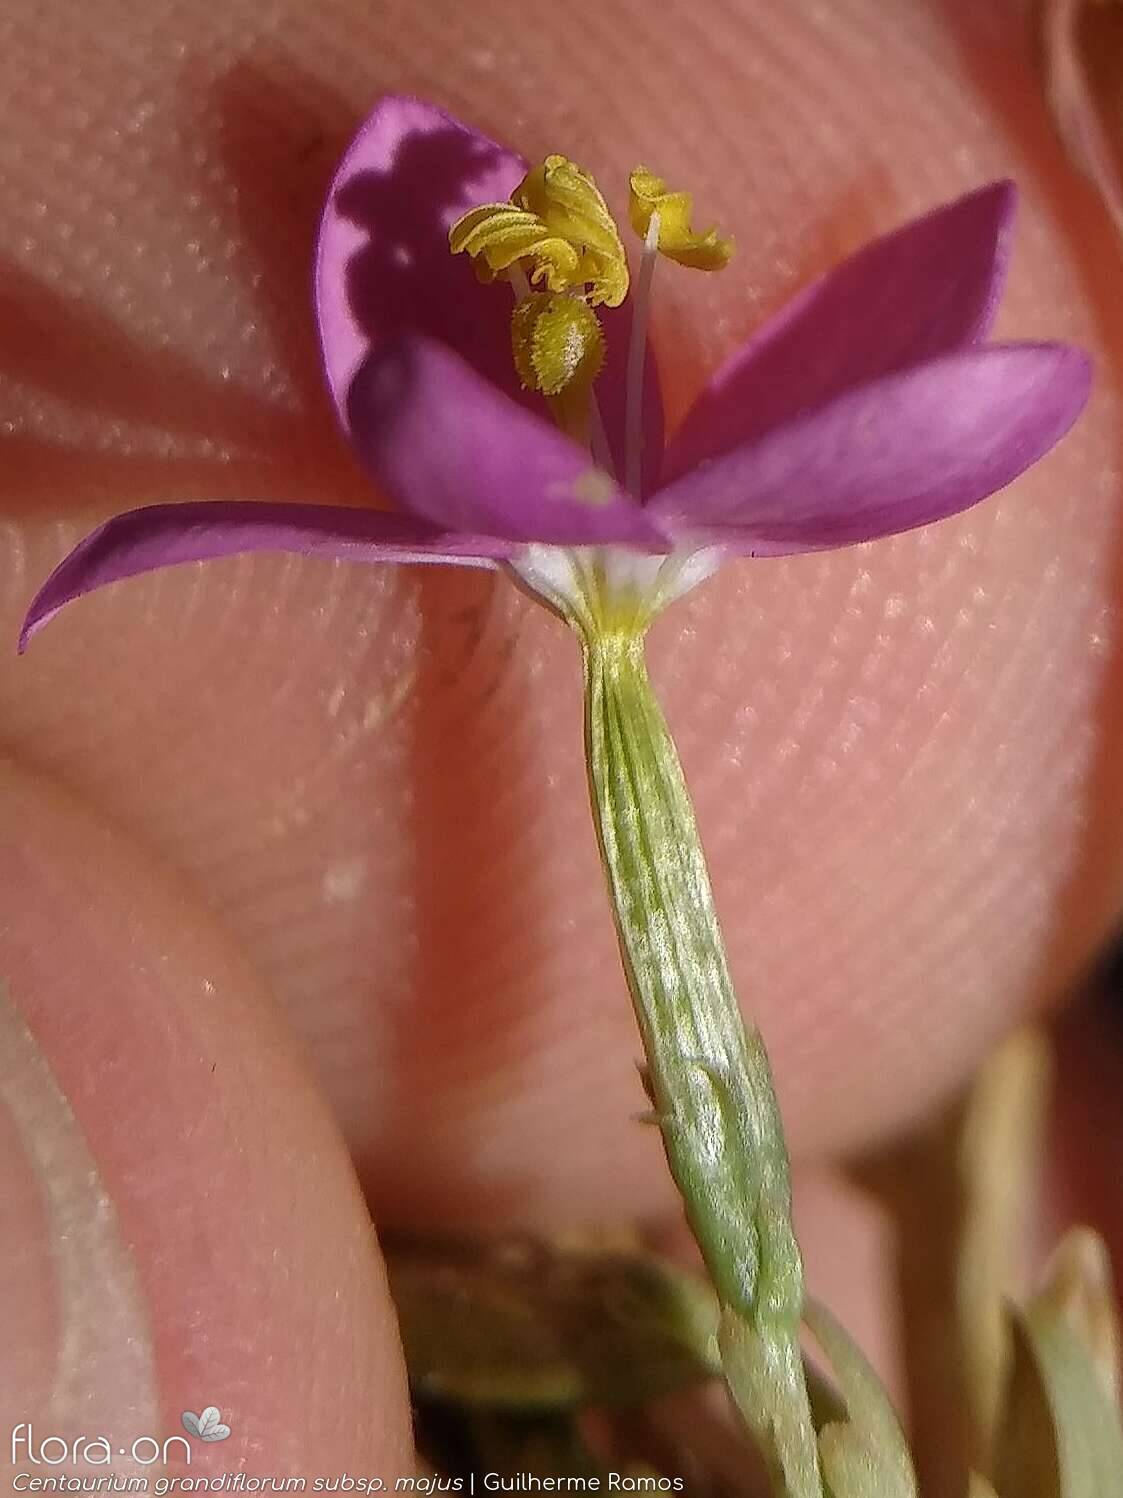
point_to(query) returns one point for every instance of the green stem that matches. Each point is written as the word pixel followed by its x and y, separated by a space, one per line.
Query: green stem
pixel 707 1072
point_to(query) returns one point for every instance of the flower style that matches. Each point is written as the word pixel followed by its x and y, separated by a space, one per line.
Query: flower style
pixel 869 405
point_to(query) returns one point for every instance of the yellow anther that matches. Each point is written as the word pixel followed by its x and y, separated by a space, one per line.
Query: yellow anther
pixel 557 226
pixel 569 202
pixel 677 240
pixel 498 235
pixel 557 343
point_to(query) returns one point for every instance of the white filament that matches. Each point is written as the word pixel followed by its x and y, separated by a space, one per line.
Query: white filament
pixel 517 277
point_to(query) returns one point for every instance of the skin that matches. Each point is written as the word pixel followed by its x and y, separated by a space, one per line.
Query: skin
pixel 300 891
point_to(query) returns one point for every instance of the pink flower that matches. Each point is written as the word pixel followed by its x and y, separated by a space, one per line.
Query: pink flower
pixel 870 404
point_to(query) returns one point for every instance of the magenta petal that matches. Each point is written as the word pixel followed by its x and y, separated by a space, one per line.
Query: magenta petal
pixel 924 290
pixel 383 265
pixel 384 270
pixel 449 447
pixel 900 452
pixel 164 535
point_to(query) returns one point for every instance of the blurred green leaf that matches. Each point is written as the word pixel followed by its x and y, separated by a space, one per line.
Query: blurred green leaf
pixel 1079 1289
pixel 550 1326
pixel 864 1454
pixel 961 1190
pixel 1060 1434
pixel 1002 1126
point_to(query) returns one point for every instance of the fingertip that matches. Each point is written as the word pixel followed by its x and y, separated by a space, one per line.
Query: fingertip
pixel 201 1238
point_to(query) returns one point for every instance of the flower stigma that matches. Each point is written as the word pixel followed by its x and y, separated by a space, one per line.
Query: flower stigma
pixel 560 247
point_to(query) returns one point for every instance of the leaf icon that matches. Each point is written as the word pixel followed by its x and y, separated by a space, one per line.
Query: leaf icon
pixel 211 1427
pixel 207 1426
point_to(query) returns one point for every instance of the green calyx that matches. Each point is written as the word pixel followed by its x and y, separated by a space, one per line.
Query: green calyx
pixel 707 1073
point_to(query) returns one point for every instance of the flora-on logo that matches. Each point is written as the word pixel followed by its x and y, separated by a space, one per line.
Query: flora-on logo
pixel 208 1426
pixel 98 1451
